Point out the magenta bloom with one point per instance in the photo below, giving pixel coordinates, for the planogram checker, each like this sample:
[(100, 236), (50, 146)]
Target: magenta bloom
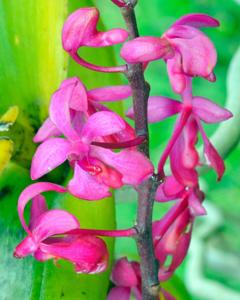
[(80, 29), (127, 278), (186, 50), (47, 234), (72, 103), (191, 112), (171, 238), (96, 170)]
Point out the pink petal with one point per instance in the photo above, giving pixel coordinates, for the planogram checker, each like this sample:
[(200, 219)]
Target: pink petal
[(184, 157), (133, 165), (159, 108), (176, 76), (125, 135), (181, 250), (171, 189), (47, 130), (123, 273), (25, 248), (180, 31), (88, 253), (80, 30), (197, 51), (120, 3), (101, 124), (86, 186), (83, 21), (108, 175), (208, 111), (197, 21), (32, 191), (54, 222), (59, 111), (175, 243), (119, 293), (110, 93), (212, 156), (78, 100), (48, 156), (195, 205), (145, 49), (38, 207)]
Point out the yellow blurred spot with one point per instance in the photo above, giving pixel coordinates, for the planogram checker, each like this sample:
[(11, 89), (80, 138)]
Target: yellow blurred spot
[(6, 145), (6, 149), (8, 118)]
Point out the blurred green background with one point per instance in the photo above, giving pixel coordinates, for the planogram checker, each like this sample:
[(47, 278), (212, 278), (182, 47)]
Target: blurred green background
[(32, 64)]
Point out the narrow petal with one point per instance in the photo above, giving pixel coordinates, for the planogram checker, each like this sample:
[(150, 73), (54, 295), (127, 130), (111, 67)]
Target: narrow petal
[(197, 21), (133, 165), (48, 156), (208, 111), (145, 49), (47, 130), (176, 76), (86, 186), (101, 124), (110, 93), (59, 111), (38, 207), (159, 108), (212, 156), (119, 293), (195, 205), (32, 191), (88, 253), (123, 273), (184, 157)]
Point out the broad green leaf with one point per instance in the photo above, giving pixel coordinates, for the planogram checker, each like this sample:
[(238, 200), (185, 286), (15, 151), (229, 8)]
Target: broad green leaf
[(32, 65)]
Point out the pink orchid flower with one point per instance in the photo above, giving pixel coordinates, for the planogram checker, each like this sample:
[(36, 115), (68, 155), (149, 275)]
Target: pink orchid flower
[(191, 112), (96, 169), (80, 29), (184, 183), (186, 50), (171, 189), (171, 238), (72, 103), (47, 234), (127, 278)]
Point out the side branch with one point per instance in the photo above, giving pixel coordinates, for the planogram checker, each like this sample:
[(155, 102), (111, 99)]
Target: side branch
[(147, 190)]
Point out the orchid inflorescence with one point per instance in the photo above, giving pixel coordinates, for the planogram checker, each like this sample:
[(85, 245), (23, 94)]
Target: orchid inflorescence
[(80, 129)]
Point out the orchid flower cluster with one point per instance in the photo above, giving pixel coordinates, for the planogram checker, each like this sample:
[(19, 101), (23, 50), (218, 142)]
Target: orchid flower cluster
[(80, 129)]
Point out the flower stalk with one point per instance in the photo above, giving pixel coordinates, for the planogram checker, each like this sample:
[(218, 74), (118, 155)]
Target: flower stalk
[(146, 190)]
